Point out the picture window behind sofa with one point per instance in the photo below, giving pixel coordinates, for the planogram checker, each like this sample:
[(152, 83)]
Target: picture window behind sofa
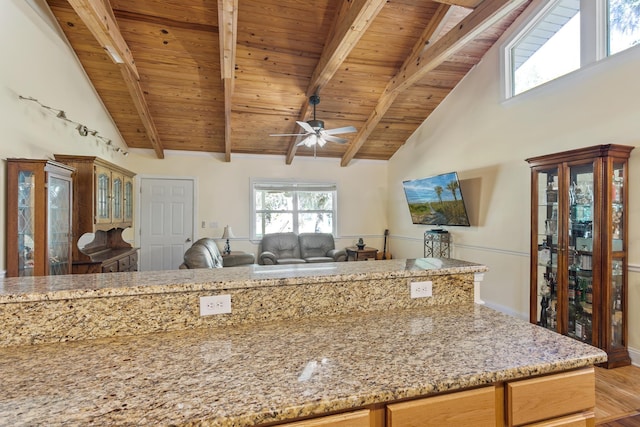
[(293, 207)]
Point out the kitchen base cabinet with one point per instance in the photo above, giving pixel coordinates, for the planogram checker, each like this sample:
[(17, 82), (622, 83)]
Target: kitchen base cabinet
[(566, 399)]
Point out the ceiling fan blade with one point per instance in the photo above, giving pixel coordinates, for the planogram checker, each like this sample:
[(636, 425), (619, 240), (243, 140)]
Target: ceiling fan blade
[(346, 129), (334, 139), (321, 141), (306, 126), (288, 134)]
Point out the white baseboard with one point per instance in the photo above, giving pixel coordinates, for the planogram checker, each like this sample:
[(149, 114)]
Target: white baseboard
[(634, 353), (506, 310)]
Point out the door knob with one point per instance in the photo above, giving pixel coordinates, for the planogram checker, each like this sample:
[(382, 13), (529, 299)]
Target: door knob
[(188, 239)]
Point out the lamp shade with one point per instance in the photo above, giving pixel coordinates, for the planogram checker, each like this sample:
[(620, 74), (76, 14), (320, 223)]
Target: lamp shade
[(228, 233)]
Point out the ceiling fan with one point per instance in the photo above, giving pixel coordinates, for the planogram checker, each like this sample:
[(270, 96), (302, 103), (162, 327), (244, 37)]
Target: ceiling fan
[(315, 132)]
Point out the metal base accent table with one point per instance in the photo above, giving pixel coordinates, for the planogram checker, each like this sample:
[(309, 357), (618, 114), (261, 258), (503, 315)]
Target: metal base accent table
[(436, 244)]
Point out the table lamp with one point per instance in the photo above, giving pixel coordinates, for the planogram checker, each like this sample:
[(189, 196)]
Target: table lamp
[(227, 234)]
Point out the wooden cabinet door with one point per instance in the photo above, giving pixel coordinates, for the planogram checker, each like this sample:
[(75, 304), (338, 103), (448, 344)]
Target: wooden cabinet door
[(103, 195), (128, 200), (586, 419), (39, 200), (117, 197), (465, 408), (529, 401)]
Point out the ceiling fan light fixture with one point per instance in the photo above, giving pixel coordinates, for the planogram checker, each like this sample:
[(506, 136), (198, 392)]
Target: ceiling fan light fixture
[(316, 124)]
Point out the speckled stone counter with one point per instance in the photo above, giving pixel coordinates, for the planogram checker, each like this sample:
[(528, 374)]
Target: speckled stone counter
[(271, 371), (78, 307)]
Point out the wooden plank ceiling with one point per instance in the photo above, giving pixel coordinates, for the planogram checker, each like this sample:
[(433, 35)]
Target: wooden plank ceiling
[(222, 76)]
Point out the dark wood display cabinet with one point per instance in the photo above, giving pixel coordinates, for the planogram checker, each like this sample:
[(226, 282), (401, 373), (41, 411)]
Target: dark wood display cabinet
[(579, 246), (39, 200), (103, 206)]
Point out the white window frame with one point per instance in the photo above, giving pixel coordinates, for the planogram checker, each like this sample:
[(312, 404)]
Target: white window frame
[(287, 184), (593, 38)]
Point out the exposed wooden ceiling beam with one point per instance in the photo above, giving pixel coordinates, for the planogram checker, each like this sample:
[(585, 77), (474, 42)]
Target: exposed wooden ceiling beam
[(352, 21), (415, 68), (472, 4), (227, 34), (97, 15)]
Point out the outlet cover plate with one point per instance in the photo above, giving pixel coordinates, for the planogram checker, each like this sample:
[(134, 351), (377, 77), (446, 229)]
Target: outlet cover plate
[(215, 304), (421, 289)]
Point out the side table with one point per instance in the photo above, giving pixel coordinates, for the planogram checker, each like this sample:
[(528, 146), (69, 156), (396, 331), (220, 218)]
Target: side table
[(355, 254)]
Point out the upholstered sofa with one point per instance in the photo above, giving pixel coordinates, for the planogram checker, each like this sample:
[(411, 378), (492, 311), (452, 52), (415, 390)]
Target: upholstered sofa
[(204, 253), (292, 248)]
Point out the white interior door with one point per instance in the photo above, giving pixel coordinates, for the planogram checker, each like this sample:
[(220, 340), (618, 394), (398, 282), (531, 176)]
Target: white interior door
[(166, 222)]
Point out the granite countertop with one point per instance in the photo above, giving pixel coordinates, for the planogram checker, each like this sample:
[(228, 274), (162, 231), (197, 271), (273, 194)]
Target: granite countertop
[(272, 371), (24, 289)]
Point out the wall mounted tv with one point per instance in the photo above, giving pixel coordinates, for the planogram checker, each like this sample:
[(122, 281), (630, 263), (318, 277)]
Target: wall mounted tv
[(436, 200)]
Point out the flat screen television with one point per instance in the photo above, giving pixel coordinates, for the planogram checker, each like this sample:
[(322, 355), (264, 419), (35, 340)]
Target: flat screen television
[(436, 200)]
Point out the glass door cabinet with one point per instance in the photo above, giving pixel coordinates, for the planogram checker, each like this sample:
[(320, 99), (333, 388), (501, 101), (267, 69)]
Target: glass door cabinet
[(579, 246), (39, 203)]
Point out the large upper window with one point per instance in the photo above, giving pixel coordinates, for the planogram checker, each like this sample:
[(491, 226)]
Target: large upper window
[(566, 35), (298, 207), (623, 21)]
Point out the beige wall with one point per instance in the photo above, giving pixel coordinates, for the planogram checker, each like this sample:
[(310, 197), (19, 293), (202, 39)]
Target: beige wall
[(223, 190), (486, 140)]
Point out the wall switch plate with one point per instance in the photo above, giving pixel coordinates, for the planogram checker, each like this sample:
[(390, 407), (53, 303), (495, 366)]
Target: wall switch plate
[(215, 304), (213, 224), (421, 289), (204, 224)]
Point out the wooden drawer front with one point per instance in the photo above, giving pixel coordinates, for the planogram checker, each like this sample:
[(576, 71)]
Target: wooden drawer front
[(110, 268), (123, 263), (465, 408), (133, 262), (350, 419), (548, 397), (587, 419)]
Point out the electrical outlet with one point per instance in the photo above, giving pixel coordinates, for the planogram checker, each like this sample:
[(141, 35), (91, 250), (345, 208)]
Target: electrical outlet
[(215, 304), (421, 289)]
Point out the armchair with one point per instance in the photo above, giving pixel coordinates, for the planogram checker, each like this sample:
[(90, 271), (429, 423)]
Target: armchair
[(204, 253), (280, 248), (320, 247)]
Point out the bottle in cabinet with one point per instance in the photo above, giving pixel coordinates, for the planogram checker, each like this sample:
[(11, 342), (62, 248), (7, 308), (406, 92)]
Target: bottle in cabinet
[(579, 238)]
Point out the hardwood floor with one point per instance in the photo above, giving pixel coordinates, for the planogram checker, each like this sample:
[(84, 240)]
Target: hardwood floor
[(618, 397)]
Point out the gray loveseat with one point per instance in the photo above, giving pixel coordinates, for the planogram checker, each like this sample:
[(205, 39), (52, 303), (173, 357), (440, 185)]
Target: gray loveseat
[(292, 248), (204, 253)]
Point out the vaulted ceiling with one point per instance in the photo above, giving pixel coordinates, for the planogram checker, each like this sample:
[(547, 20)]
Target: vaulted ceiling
[(221, 76)]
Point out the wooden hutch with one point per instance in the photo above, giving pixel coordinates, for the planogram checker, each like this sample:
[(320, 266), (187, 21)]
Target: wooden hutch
[(102, 205)]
